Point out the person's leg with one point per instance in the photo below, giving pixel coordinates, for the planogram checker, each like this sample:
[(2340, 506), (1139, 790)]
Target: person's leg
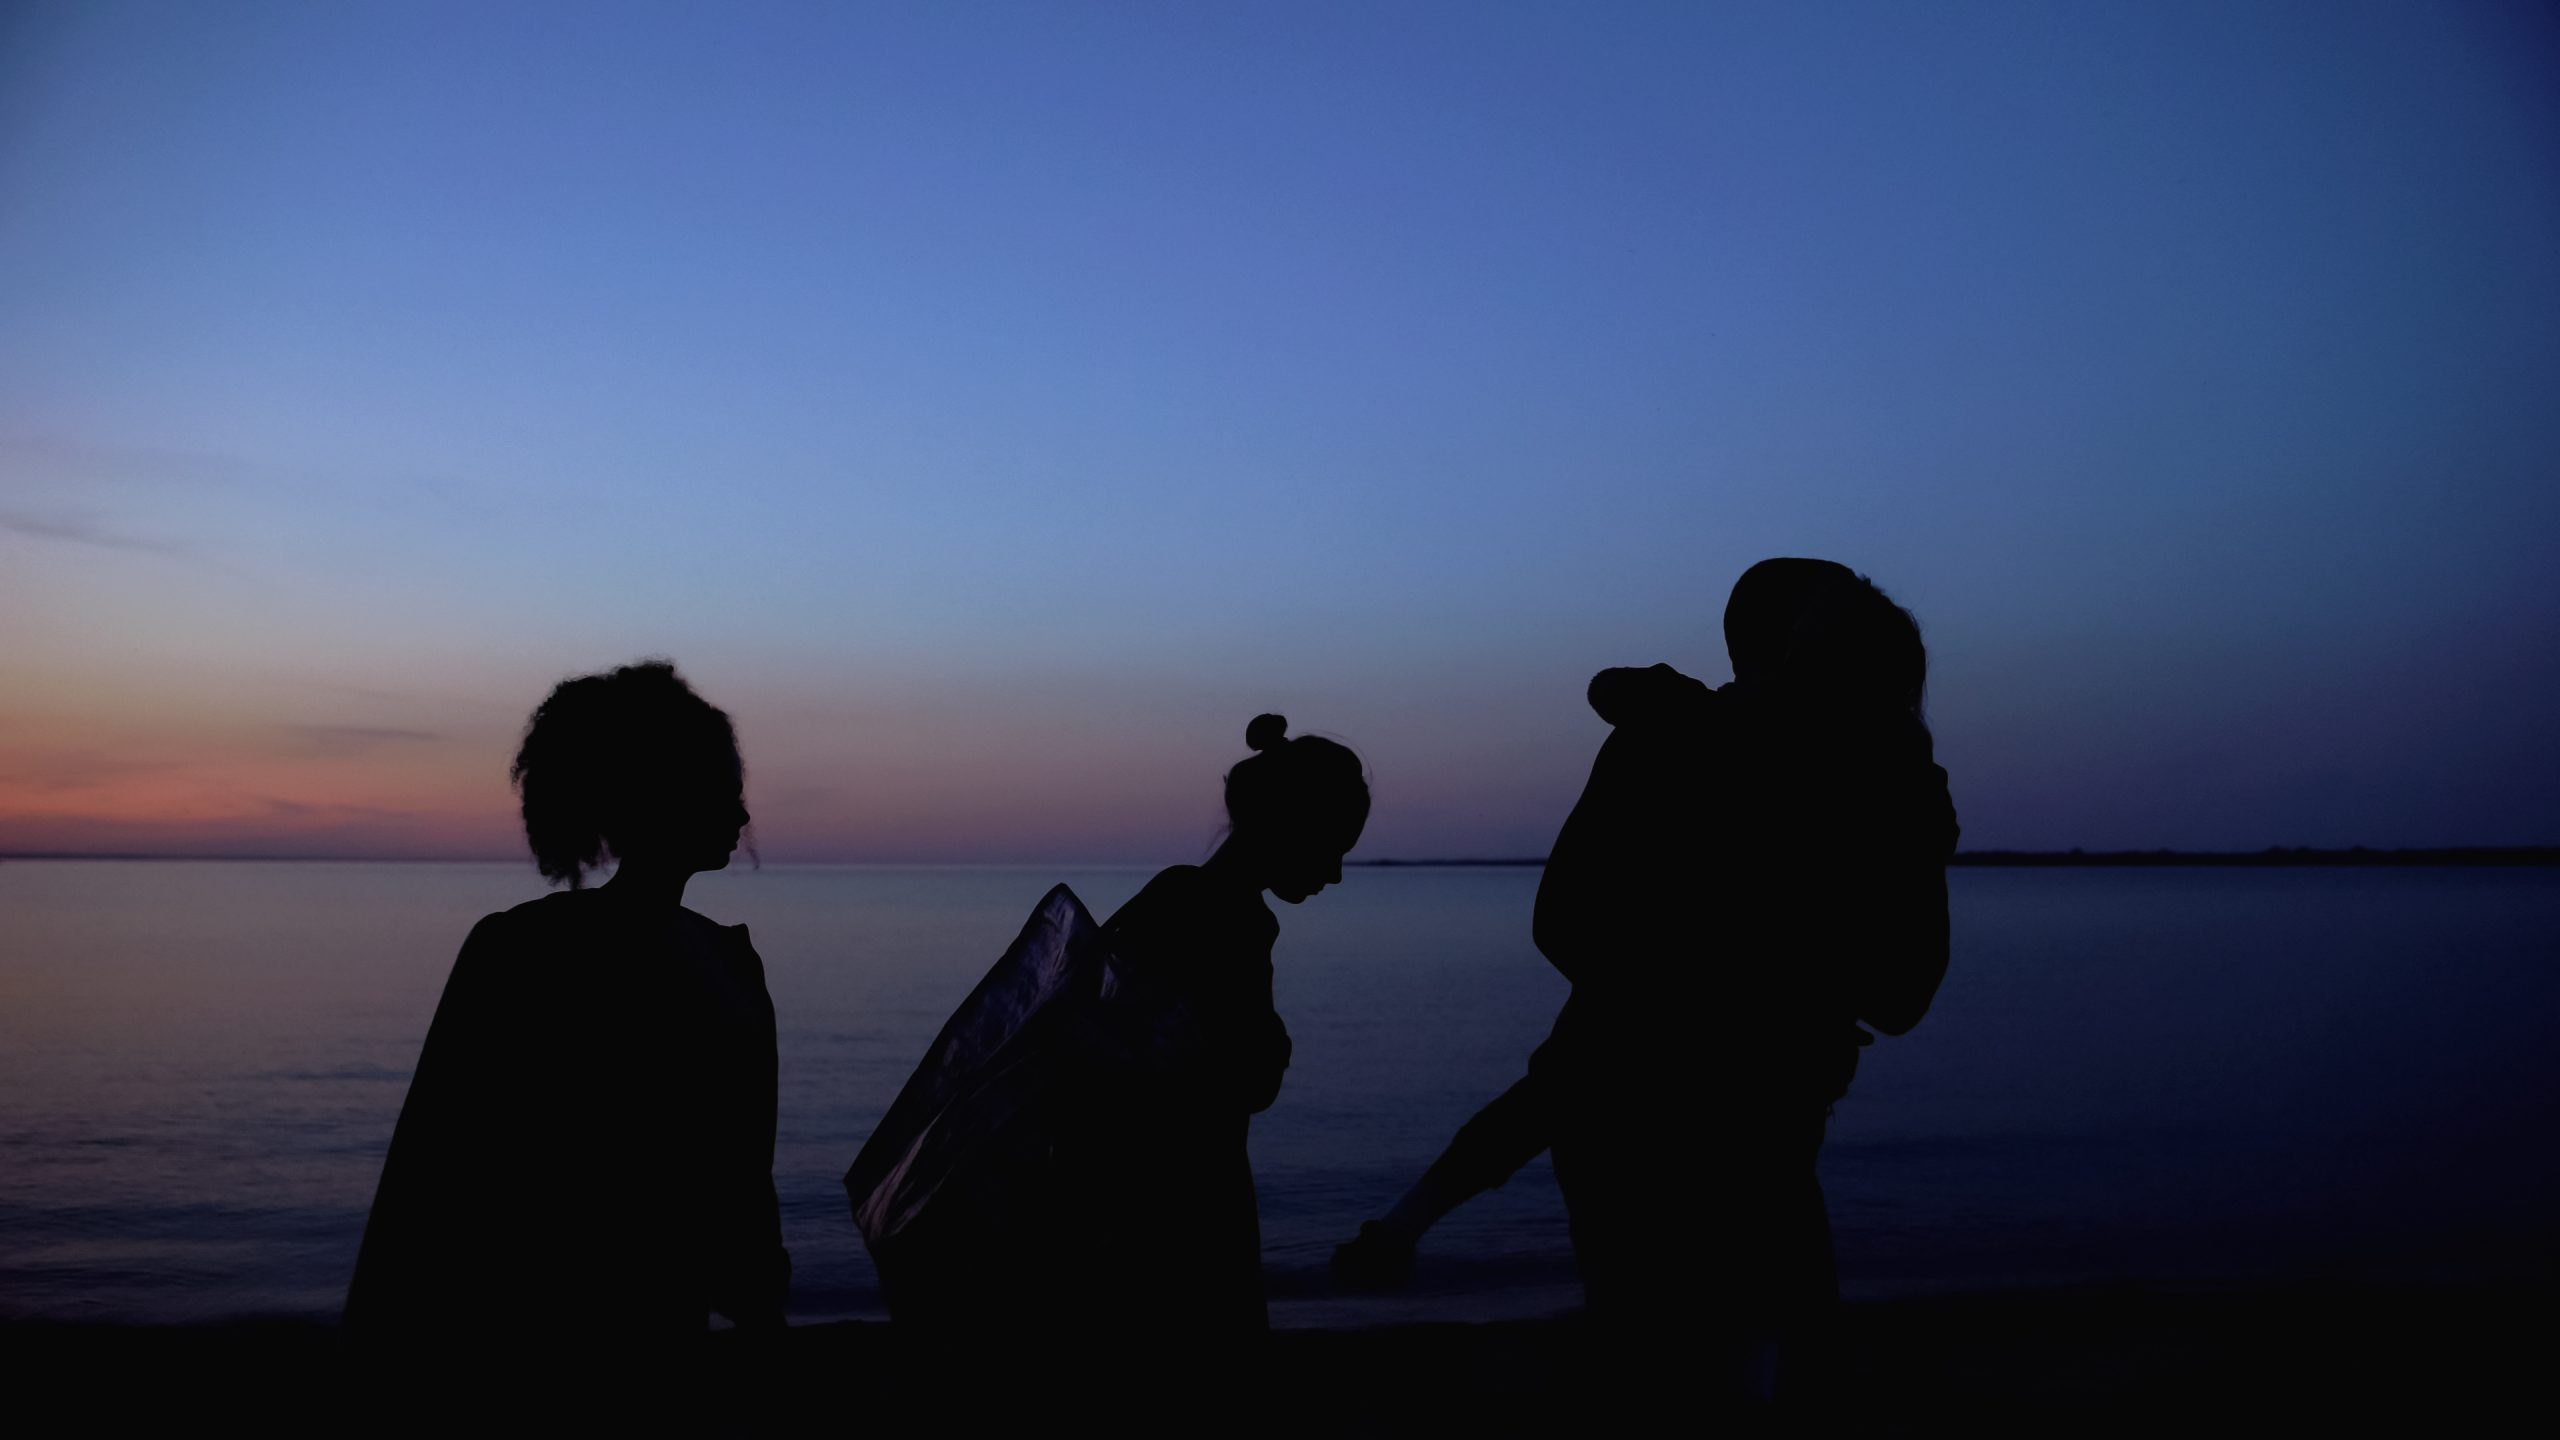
[(1658, 1309), (1809, 1370)]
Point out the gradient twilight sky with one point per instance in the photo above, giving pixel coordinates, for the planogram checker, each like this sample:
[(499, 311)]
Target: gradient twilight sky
[(994, 406)]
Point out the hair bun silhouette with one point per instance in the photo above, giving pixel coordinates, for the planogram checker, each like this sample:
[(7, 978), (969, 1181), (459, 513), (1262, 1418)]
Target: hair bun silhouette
[(1267, 732), (1288, 784)]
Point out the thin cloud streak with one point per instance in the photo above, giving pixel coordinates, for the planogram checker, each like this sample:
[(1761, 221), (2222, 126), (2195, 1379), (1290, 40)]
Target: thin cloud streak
[(333, 741), (54, 772), (76, 530)]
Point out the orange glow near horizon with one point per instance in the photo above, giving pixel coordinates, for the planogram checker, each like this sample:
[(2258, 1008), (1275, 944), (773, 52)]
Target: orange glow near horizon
[(223, 787), (188, 770)]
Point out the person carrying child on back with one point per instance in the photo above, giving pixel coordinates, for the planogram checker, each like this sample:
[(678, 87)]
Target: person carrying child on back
[(1753, 878)]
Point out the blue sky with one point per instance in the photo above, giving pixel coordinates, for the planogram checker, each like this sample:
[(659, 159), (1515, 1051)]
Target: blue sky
[(995, 406)]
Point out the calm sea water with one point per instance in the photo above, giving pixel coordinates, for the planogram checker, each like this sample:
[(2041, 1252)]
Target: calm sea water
[(2178, 1076)]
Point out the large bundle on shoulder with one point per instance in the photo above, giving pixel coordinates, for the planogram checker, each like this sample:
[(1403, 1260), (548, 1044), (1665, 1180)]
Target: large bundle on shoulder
[(954, 1191)]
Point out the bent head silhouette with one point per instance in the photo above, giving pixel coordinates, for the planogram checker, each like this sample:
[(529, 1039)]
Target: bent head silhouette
[(1294, 809)]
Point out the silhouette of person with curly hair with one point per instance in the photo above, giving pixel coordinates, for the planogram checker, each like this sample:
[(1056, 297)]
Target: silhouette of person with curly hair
[(585, 1158)]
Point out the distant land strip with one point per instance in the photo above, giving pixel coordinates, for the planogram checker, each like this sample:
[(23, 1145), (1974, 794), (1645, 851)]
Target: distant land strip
[(2272, 855)]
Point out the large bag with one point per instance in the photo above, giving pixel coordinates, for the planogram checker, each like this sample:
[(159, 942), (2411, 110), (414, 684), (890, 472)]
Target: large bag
[(951, 1189)]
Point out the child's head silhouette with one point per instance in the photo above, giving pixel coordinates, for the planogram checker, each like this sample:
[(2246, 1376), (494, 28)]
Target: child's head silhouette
[(1825, 636), (631, 766), (1856, 650), (1297, 806)]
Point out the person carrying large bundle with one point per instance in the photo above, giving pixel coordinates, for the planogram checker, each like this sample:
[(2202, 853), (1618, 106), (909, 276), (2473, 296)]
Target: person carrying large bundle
[(1069, 1158)]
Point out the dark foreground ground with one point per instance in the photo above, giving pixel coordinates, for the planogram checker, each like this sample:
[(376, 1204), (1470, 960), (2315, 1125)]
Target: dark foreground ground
[(2071, 1362)]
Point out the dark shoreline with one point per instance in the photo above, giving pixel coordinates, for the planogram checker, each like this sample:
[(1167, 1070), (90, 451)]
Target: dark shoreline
[(2095, 1358), (2274, 855)]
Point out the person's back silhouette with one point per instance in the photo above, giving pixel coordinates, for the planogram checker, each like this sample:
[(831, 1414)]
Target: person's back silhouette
[(585, 1158), (1749, 874)]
